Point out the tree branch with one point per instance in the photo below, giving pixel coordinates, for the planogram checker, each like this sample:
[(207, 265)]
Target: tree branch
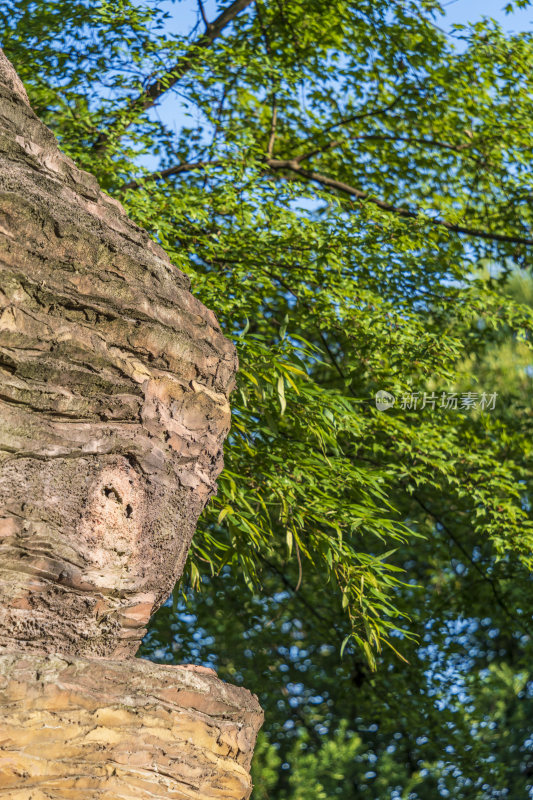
[(378, 137), (151, 94), (492, 583), (375, 112), (274, 117), (204, 18), (166, 173), (318, 150), (273, 123), (369, 137), (293, 165)]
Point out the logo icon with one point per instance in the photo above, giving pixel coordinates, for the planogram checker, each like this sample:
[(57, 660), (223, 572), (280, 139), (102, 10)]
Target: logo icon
[(384, 400)]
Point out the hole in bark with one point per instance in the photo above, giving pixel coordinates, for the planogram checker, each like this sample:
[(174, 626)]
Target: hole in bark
[(110, 491), (129, 510), (133, 462)]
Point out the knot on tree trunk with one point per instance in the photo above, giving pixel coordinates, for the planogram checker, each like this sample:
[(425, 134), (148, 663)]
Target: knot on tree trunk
[(114, 404), (114, 385)]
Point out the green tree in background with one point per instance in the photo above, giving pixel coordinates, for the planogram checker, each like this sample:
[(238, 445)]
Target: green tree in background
[(349, 188)]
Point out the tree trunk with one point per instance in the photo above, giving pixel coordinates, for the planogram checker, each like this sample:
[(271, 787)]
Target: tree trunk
[(95, 728), (113, 410)]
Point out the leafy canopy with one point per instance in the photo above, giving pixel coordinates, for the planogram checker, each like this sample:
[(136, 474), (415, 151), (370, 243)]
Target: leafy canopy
[(349, 188)]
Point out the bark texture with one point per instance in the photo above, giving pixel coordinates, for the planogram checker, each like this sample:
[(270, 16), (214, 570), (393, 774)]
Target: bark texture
[(89, 728), (114, 384), (113, 404)]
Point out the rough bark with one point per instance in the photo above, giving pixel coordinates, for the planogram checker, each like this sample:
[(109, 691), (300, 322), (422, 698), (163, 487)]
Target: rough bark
[(113, 403), (114, 385), (89, 728)]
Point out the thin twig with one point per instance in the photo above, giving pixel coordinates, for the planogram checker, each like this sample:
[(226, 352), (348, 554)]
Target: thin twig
[(202, 12), (497, 596), (273, 123), (166, 173), (300, 571)]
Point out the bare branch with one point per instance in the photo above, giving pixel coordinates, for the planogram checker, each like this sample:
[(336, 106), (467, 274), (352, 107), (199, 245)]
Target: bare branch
[(456, 148), (202, 12), (155, 90), (484, 575)]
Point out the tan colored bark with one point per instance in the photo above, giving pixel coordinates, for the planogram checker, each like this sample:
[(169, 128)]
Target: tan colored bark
[(114, 385), (92, 728), (113, 404)]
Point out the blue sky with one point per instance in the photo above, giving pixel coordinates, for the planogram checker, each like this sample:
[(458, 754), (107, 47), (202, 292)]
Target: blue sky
[(465, 11), (184, 15)]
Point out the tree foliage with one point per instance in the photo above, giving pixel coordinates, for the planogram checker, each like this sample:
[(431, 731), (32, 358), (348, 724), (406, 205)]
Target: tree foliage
[(349, 189)]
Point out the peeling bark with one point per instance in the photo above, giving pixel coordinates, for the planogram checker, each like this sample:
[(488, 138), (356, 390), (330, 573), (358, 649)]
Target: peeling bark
[(89, 728), (113, 404), (114, 386)]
